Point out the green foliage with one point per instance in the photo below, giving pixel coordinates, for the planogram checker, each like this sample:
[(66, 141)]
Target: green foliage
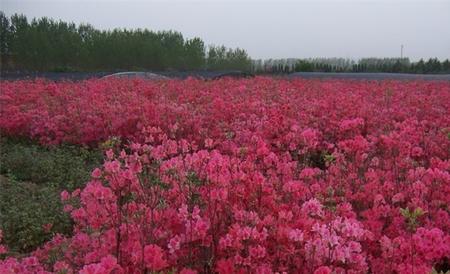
[(193, 179), (32, 179), (411, 217), (315, 159), (373, 65), (221, 58), (48, 45), (113, 143), (329, 158), (304, 65), (66, 167), (24, 210)]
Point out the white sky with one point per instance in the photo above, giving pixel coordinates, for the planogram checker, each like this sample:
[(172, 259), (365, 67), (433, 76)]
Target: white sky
[(273, 29)]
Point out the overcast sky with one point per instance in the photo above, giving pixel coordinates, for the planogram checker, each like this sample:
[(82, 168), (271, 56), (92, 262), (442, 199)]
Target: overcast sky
[(273, 29)]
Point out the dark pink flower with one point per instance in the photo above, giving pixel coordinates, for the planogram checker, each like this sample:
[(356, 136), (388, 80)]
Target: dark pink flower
[(154, 258)]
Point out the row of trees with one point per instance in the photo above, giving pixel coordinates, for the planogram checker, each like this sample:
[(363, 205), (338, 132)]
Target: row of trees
[(47, 45), (393, 65)]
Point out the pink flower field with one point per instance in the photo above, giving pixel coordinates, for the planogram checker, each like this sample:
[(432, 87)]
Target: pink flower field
[(259, 175)]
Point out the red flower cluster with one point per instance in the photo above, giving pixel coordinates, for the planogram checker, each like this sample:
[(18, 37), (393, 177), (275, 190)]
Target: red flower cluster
[(246, 176), (3, 248)]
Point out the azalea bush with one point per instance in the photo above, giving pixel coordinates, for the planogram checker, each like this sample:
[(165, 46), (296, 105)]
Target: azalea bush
[(245, 176)]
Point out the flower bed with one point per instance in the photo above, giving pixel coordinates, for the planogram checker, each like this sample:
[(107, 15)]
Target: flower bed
[(246, 176)]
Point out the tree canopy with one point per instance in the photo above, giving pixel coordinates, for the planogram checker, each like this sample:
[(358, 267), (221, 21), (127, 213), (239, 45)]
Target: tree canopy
[(44, 44)]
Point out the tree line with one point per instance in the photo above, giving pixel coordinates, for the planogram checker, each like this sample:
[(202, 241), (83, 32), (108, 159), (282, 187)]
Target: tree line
[(44, 44), (391, 65)]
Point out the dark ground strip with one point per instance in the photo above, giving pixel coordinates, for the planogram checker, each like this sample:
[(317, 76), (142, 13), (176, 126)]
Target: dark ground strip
[(208, 75)]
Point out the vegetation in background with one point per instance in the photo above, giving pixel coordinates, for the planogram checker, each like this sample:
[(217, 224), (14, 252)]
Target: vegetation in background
[(391, 65), (47, 45), (44, 44)]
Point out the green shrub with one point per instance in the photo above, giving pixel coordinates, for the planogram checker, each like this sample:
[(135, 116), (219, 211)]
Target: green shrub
[(32, 179), (24, 210), (66, 167)]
